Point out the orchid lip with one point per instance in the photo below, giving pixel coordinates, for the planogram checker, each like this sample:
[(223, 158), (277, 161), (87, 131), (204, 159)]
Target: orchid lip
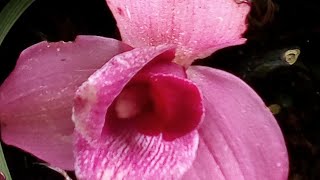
[(142, 105)]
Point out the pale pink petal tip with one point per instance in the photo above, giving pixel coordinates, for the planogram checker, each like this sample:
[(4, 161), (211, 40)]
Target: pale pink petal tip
[(36, 99), (239, 137), (136, 118), (196, 27)]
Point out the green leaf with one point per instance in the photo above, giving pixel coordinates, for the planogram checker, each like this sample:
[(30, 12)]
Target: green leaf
[(10, 14), (3, 165)]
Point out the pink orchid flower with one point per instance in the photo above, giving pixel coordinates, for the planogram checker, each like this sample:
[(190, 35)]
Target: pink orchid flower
[(144, 112)]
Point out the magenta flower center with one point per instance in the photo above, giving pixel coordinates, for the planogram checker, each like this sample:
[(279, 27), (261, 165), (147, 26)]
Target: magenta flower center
[(156, 101)]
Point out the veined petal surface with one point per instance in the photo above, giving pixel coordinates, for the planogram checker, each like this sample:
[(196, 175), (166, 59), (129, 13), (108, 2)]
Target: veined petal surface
[(196, 27), (36, 99), (239, 137)]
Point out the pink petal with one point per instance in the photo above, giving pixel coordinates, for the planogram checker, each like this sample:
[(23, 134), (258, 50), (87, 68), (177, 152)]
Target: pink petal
[(197, 27), (36, 99), (108, 146), (239, 137), (131, 155)]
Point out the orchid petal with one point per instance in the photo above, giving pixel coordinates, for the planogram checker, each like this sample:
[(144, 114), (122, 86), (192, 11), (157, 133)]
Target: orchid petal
[(239, 137), (36, 99), (131, 155), (196, 27), (107, 145)]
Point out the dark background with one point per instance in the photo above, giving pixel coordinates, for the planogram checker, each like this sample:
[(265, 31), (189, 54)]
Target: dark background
[(274, 27)]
